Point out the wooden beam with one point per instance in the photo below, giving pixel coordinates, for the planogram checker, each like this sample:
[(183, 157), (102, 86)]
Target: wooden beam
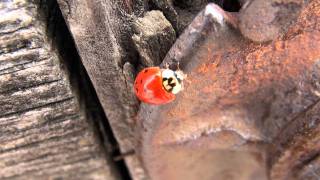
[(102, 34), (44, 130)]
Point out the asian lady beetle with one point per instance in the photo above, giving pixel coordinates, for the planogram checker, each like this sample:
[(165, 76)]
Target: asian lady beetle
[(158, 86)]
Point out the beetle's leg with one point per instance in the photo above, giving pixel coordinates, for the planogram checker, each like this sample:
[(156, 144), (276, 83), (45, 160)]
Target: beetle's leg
[(178, 65), (166, 65)]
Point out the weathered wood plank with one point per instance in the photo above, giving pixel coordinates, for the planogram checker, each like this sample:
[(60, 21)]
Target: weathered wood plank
[(153, 37), (45, 132), (102, 34)]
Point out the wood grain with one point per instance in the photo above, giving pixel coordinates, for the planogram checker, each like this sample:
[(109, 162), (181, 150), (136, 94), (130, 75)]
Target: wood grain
[(45, 132), (102, 33), (153, 37)]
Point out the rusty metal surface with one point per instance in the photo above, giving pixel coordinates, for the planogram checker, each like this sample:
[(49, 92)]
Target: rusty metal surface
[(240, 99), (263, 21), (298, 149)]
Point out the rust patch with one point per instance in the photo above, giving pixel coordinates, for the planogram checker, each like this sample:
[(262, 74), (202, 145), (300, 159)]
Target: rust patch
[(238, 92)]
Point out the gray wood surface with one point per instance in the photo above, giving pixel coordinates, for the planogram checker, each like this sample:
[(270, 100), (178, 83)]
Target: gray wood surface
[(102, 33), (45, 132), (153, 37)]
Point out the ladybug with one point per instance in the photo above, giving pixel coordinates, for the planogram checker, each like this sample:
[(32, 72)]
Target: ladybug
[(154, 85)]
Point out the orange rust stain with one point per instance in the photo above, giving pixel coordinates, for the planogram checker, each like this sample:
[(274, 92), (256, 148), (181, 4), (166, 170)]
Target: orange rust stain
[(263, 66), (273, 63), (203, 68), (308, 20), (279, 45), (208, 89), (211, 61), (268, 64), (255, 67)]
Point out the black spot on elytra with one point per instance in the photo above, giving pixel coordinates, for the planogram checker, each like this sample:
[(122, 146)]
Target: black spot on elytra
[(145, 71)]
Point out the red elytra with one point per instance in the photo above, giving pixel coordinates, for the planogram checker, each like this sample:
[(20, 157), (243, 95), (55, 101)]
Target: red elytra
[(149, 89)]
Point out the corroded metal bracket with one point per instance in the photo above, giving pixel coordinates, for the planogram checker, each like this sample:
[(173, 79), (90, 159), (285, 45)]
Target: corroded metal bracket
[(239, 99)]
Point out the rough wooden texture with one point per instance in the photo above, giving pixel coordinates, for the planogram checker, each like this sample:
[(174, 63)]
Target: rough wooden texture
[(102, 34), (179, 16), (153, 37), (44, 131), (181, 12)]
